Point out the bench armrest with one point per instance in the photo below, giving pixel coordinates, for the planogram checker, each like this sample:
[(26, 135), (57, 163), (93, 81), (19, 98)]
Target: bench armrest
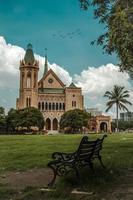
[(63, 156)]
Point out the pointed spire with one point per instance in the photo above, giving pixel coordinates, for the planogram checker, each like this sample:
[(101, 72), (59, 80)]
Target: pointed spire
[(46, 63), (29, 55)]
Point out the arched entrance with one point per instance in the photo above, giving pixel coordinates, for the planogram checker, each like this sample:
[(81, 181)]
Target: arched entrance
[(55, 124), (103, 127), (48, 124)]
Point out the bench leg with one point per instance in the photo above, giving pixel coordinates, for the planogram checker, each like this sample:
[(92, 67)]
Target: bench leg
[(77, 172), (91, 166), (54, 177), (100, 159)]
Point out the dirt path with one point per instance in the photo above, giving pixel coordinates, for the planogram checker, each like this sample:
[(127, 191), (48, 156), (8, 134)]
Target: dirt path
[(20, 180), (40, 178)]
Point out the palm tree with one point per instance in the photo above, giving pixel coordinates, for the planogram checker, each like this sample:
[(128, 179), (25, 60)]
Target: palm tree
[(119, 97)]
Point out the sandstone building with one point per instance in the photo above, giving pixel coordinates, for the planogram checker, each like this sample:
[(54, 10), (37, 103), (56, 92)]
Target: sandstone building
[(49, 95), (100, 124)]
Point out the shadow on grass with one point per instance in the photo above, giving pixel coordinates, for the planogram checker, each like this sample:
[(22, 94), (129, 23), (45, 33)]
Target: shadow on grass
[(6, 192), (97, 186)]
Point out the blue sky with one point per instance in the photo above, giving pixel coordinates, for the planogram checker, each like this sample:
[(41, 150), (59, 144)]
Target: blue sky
[(66, 31), (59, 25)]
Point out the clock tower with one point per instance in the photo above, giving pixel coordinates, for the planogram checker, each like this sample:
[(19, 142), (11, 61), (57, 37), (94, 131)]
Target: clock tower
[(28, 92)]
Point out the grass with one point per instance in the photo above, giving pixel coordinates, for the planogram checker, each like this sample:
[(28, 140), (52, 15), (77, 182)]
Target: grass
[(22, 152), (27, 151)]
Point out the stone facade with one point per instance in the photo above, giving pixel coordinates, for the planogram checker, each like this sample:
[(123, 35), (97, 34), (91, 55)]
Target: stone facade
[(49, 95), (100, 124)]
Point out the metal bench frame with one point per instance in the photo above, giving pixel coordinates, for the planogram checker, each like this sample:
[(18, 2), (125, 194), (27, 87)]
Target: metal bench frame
[(87, 151)]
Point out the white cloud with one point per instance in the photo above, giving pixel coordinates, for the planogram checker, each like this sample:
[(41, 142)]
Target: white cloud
[(98, 80), (10, 57), (94, 81)]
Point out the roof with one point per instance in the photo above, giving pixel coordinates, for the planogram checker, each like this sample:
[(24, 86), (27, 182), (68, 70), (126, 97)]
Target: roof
[(54, 75), (72, 85), (29, 55), (51, 90)]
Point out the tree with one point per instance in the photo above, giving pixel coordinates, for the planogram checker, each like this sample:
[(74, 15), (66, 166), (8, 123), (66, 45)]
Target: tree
[(24, 118), (13, 120), (2, 118), (117, 16), (31, 117), (117, 96), (74, 120)]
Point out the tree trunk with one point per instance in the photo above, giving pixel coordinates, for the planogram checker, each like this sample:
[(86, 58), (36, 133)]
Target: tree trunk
[(117, 120)]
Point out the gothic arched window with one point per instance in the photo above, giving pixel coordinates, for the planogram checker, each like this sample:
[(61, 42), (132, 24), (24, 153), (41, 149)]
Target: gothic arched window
[(28, 79), (39, 106), (34, 79), (73, 103), (63, 106), (56, 106), (53, 106), (49, 106), (22, 80), (42, 105), (46, 106), (60, 106), (28, 102)]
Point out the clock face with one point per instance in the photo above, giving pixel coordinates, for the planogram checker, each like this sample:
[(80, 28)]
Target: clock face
[(50, 80)]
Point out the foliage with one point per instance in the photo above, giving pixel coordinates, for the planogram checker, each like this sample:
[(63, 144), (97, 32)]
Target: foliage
[(74, 120), (2, 118), (117, 16), (12, 120), (117, 96), (123, 125), (31, 117), (26, 117)]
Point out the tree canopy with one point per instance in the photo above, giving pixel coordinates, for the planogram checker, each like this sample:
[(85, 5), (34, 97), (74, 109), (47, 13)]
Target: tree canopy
[(27, 117), (117, 16), (74, 120), (2, 118)]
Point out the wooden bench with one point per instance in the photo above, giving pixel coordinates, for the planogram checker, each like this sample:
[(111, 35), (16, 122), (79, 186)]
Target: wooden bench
[(87, 151)]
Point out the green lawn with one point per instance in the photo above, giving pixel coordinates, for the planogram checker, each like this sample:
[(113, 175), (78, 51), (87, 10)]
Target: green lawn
[(22, 152)]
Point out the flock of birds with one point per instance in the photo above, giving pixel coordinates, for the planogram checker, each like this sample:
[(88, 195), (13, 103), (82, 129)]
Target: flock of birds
[(68, 35)]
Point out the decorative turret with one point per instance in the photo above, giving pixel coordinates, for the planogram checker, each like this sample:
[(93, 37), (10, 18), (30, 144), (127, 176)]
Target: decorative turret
[(29, 55)]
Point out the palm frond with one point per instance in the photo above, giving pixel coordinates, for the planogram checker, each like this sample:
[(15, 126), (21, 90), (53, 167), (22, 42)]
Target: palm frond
[(117, 96)]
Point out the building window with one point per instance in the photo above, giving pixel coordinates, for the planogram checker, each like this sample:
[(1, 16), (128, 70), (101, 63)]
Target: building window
[(49, 106), (22, 80), (28, 102), (63, 106), (29, 79), (73, 103), (56, 106), (60, 106), (53, 106), (42, 105), (39, 106), (46, 106), (34, 79)]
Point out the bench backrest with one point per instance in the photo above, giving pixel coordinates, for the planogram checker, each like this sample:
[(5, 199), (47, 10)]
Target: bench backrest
[(98, 146), (88, 148)]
